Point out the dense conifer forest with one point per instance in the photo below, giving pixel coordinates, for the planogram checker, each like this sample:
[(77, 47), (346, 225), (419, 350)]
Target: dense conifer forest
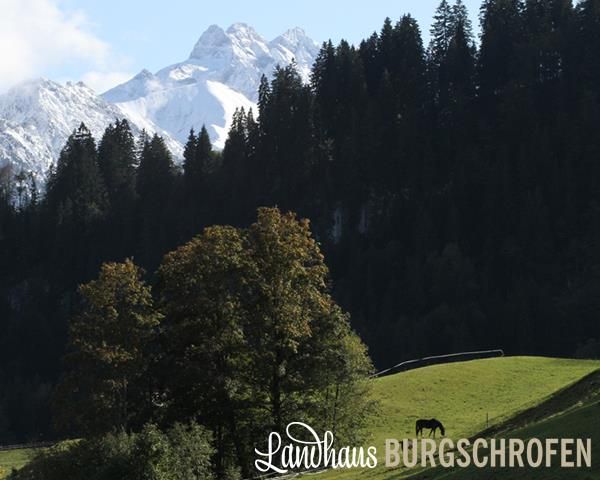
[(454, 189)]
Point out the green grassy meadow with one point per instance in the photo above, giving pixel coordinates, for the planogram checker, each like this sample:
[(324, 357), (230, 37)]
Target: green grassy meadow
[(10, 459), (462, 396), (521, 396)]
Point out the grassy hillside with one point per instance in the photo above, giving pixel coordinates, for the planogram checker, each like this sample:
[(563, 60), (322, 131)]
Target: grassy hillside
[(574, 412), (13, 459), (462, 395), (581, 422)]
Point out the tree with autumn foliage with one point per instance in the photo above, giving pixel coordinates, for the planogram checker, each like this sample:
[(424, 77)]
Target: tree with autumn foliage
[(255, 341), (104, 387)]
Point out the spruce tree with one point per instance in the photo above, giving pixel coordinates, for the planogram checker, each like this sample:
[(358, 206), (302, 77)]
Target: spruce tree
[(117, 161), (441, 32), (198, 156), (189, 156), (75, 189), (155, 187), (460, 16), (76, 204), (501, 34)]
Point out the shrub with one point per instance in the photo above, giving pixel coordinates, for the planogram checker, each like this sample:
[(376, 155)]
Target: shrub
[(181, 453)]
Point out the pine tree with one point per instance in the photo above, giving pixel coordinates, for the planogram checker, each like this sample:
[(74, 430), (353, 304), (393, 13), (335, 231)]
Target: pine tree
[(324, 81), (75, 205), (460, 16), (457, 90), (287, 136), (75, 189), (196, 160), (155, 187), (502, 32), (441, 32), (117, 162), (369, 53), (198, 156), (189, 157), (452, 36), (385, 46), (235, 170), (408, 72)]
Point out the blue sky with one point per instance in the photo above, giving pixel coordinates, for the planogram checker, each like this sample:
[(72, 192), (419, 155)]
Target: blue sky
[(104, 41)]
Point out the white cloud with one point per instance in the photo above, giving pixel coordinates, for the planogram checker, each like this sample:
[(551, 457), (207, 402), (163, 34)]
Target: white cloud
[(36, 35), (103, 81)]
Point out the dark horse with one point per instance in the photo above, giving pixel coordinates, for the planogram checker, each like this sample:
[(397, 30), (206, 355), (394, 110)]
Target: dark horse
[(431, 424)]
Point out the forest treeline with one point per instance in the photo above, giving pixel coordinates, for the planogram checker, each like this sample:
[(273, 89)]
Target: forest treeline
[(454, 189)]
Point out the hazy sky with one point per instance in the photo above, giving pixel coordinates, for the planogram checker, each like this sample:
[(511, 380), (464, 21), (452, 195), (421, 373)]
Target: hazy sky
[(104, 42)]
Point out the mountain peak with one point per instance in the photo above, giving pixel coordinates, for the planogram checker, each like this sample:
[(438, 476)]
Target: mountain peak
[(240, 27), (213, 38), (295, 38), (295, 34)]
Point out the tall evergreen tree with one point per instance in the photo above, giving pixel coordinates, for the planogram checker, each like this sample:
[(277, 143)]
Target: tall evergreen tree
[(155, 187), (197, 159), (287, 136), (501, 35), (117, 161), (441, 32), (460, 16), (385, 45), (75, 189), (76, 203)]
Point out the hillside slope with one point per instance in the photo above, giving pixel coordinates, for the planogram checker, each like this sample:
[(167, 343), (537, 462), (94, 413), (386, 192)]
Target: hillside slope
[(573, 412), (462, 396)]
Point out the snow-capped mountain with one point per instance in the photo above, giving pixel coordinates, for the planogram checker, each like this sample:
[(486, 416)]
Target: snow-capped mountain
[(221, 74), (37, 116)]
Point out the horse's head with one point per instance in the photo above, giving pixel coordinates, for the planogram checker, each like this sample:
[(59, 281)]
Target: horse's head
[(442, 429)]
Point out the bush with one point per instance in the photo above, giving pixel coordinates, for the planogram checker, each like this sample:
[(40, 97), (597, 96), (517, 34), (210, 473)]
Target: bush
[(181, 453)]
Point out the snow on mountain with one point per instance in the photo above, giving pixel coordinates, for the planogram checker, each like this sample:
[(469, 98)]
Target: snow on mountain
[(295, 45), (221, 74), (37, 116)]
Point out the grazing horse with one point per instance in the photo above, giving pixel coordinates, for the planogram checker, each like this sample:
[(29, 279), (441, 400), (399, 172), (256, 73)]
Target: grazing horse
[(431, 424)]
